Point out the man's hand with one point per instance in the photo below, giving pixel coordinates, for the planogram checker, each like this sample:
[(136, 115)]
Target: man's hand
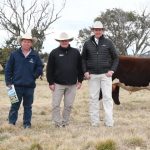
[(87, 75), (52, 87), (79, 85), (109, 73), (9, 86), (41, 77)]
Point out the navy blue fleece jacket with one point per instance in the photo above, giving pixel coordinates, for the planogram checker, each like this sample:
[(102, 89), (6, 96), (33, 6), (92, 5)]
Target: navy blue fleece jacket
[(22, 71)]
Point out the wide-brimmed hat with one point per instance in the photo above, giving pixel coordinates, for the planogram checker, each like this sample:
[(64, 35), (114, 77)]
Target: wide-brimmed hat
[(27, 37), (64, 36), (97, 25)]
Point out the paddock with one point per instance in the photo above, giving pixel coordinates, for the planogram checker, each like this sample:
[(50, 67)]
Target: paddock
[(130, 131)]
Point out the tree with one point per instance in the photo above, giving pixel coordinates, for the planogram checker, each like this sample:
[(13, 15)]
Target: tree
[(4, 54), (18, 16), (129, 31), (142, 32), (83, 35), (44, 57)]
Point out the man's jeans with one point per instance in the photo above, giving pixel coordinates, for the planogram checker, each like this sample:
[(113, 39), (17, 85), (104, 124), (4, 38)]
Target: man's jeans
[(25, 94), (105, 83)]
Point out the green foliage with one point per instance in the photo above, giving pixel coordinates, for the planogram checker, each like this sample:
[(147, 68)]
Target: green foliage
[(36, 146), (106, 145), (84, 33), (12, 43), (4, 54), (40, 36)]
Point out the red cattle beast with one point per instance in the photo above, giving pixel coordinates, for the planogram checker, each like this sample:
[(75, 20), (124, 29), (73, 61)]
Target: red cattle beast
[(131, 71)]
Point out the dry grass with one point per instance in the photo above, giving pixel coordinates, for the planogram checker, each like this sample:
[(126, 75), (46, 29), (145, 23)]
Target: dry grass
[(131, 130)]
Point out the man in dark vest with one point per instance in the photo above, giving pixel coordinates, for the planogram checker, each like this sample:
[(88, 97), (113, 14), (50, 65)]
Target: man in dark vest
[(99, 61)]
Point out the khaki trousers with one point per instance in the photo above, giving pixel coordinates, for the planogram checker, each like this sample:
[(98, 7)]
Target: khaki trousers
[(68, 92), (105, 83)]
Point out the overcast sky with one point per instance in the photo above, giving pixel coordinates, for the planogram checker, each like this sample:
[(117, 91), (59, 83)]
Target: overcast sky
[(79, 14)]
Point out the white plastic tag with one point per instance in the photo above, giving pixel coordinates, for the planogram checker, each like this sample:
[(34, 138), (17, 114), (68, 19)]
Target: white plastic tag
[(12, 94)]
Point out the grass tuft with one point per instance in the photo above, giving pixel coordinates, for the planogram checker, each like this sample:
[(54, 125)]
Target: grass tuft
[(7, 128), (106, 145), (3, 137), (36, 146), (135, 141), (42, 113)]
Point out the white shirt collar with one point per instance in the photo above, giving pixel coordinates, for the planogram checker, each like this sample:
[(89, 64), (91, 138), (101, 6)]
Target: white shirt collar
[(96, 40), (26, 53)]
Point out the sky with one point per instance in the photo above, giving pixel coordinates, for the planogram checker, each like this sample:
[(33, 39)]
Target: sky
[(79, 14)]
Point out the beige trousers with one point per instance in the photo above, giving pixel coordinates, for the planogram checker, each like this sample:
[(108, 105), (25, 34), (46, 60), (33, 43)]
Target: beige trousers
[(105, 83), (68, 92)]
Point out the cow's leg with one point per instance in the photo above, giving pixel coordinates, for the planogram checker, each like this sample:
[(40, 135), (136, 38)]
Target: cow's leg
[(115, 95)]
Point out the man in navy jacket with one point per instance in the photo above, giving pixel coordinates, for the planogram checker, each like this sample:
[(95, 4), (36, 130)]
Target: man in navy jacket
[(22, 69)]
